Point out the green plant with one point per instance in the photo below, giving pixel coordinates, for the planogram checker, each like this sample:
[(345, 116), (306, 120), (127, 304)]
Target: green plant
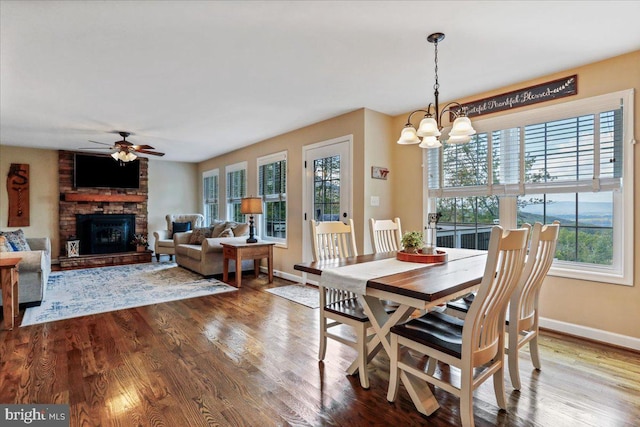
[(412, 241), (140, 240)]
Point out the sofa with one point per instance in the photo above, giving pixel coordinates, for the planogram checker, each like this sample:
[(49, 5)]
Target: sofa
[(200, 250), (163, 244), (34, 269)]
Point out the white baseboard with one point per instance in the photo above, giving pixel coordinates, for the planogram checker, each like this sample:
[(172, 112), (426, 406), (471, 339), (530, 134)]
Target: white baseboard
[(591, 333), (291, 277)]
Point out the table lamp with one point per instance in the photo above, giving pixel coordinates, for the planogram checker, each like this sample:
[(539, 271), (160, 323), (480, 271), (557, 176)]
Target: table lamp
[(250, 206)]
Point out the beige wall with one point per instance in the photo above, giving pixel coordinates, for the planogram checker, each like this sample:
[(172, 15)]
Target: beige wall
[(43, 191), (347, 124), (612, 308), (173, 188), (378, 130)]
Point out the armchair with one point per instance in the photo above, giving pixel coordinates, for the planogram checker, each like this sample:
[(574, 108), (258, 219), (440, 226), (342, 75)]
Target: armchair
[(164, 238), (34, 270)]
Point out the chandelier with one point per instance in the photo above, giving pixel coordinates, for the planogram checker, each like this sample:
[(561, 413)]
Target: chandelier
[(430, 132)]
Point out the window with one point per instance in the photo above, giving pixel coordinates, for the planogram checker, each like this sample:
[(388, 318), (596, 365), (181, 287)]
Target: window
[(566, 162), (272, 186), (236, 190), (211, 195)]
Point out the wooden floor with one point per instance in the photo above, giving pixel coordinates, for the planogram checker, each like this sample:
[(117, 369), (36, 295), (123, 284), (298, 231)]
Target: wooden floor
[(249, 358)]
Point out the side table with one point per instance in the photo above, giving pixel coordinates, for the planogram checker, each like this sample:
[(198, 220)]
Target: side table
[(9, 283), (240, 251)]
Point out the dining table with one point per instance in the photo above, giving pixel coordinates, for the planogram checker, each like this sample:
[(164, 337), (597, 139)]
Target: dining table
[(378, 279)]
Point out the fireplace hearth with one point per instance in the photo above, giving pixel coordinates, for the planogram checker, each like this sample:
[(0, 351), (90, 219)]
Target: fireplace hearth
[(105, 233)]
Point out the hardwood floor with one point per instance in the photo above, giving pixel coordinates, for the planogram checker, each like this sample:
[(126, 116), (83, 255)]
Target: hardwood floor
[(249, 358)]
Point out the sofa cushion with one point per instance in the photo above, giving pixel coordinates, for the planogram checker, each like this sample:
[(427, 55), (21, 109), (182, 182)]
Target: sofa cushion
[(226, 233), (164, 243), (181, 227), (16, 239), (241, 230), (218, 227), (199, 234), (194, 252)]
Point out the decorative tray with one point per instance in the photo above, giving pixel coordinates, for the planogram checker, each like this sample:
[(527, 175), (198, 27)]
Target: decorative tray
[(439, 256)]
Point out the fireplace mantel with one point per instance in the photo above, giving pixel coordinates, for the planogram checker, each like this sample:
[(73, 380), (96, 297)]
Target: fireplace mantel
[(84, 197)]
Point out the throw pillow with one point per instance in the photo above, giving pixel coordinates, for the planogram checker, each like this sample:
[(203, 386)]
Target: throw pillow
[(4, 245), (199, 234), (218, 228), (241, 230), (181, 227), (226, 233), (16, 240)]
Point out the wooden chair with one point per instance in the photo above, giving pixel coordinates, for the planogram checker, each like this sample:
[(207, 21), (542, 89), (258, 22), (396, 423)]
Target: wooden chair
[(386, 235), (522, 325), (331, 240), (475, 342), (522, 316)]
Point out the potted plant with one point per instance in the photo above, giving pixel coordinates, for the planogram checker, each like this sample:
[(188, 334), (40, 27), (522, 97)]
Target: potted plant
[(140, 241), (412, 241)]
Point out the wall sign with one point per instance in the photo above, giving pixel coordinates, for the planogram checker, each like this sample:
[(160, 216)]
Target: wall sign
[(378, 172), (555, 89), (18, 191)]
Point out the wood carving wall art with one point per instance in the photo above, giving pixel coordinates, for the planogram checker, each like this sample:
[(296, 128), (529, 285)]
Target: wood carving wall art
[(18, 192)]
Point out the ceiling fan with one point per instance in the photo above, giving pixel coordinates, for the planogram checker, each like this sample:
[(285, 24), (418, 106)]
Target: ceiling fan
[(124, 150)]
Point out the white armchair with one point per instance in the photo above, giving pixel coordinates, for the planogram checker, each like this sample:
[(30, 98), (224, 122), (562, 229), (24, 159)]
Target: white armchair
[(164, 238)]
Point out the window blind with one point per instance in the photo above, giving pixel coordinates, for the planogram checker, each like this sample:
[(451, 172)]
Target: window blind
[(578, 153)]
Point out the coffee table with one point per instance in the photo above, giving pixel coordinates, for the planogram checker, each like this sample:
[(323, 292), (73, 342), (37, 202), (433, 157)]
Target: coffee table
[(240, 251)]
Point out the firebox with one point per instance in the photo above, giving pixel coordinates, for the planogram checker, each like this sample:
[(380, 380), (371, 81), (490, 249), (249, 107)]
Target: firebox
[(105, 233)]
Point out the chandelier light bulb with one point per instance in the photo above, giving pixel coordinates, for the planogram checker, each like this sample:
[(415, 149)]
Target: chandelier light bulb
[(430, 142), (458, 139), (428, 127), (408, 136), (462, 127)]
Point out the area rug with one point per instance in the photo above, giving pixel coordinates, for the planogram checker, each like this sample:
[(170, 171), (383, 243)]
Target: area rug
[(76, 293), (305, 295)]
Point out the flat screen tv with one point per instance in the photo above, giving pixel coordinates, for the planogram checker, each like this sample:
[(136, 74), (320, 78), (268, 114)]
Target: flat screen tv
[(91, 171)]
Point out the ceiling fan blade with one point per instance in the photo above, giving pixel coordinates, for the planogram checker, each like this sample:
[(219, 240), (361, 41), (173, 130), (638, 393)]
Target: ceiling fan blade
[(95, 148), (142, 147), (98, 142), (154, 153)]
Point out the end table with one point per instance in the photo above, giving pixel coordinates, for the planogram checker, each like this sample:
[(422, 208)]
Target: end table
[(240, 251), (9, 283)]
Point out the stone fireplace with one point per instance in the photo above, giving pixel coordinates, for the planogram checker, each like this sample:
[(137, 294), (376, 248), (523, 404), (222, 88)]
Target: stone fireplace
[(117, 214)]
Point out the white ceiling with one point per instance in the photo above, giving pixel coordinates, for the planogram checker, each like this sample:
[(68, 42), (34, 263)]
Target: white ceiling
[(198, 79)]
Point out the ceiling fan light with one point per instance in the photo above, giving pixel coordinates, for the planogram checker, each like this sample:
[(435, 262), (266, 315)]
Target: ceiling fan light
[(130, 157), (430, 142), (408, 136), (115, 155), (428, 127), (462, 126)]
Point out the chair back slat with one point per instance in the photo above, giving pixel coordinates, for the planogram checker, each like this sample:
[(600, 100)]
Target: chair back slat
[(524, 301), (483, 331), (332, 240), (386, 235)]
